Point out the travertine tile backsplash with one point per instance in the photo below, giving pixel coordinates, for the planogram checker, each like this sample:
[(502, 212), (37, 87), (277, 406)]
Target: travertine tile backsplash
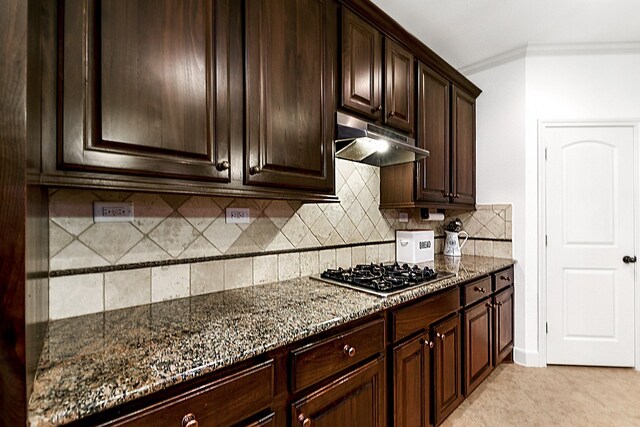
[(175, 227)]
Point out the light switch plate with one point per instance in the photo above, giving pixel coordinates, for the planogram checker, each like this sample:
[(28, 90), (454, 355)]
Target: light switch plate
[(403, 217), (238, 215), (112, 211)]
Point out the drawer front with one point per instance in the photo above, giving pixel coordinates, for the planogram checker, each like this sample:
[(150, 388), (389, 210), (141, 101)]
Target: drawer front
[(224, 402), (320, 360), (418, 316), (477, 290), (502, 279)]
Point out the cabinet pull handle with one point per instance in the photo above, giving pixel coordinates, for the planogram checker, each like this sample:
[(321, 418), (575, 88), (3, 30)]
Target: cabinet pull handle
[(479, 289), (348, 350), (450, 195), (254, 170), (427, 343), (441, 336), (489, 305), (392, 113), (376, 109), (304, 421), (456, 196), (189, 420), (505, 278), (223, 165)]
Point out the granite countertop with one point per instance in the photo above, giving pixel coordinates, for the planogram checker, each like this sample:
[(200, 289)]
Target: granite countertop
[(91, 363)]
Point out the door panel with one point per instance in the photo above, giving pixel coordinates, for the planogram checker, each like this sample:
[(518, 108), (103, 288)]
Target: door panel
[(464, 147), (144, 87), (478, 324), (290, 49), (503, 336), (399, 96), (447, 368), (361, 66), (412, 383), (590, 228), (433, 134)]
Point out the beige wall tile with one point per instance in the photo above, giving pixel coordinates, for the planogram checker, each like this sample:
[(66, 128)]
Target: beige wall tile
[(207, 277), (483, 248), (309, 263), (468, 248), (358, 255), (76, 255), (288, 266), (343, 257), (238, 273), (502, 249), (327, 259), (387, 252), (127, 288), (111, 240), (265, 269), (372, 254), (72, 296), (169, 282)]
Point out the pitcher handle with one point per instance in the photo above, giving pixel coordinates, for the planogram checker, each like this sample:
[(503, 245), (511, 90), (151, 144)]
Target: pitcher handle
[(465, 239)]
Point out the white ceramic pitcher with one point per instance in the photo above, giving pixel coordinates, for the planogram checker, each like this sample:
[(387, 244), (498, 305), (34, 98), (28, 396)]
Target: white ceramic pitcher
[(452, 244)]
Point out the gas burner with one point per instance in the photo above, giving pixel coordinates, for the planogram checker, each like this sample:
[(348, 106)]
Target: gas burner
[(382, 279)]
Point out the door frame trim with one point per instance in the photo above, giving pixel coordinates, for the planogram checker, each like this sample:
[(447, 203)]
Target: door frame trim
[(543, 125)]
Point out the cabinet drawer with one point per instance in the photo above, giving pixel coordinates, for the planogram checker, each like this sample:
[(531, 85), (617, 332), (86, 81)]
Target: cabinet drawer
[(477, 290), (502, 279), (408, 320), (320, 360), (224, 402)]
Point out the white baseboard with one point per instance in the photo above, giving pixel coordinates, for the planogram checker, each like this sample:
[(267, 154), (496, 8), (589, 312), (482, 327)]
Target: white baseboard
[(527, 358)]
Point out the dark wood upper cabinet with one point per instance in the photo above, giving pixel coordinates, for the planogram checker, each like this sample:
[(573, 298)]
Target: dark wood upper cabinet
[(463, 147), (503, 345), (447, 367), (144, 87), (432, 174), (399, 86), (412, 383), (478, 348), (361, 66), (355, 399), (291, 54)]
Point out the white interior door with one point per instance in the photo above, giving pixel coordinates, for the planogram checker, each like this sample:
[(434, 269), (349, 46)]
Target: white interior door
[(590, 228)]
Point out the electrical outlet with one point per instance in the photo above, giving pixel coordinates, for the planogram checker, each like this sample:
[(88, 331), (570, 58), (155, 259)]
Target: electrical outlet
[(112, 211), (238, 215), (403, 217)]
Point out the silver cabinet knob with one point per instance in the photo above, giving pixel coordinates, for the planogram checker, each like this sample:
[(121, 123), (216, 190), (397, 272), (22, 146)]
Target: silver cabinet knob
[(348, 350), (223, 165), (254, 170)]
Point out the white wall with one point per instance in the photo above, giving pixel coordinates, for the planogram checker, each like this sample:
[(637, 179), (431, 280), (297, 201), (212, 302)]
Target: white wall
[(604, 86), (500, 156)]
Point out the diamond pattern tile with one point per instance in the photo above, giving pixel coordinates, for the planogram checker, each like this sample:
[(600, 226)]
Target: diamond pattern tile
[(322, 229), (72, 210), (200, 211), (174, 234), (149, 211), (222, 235), (295, 229), (111, 240), (279, 212)]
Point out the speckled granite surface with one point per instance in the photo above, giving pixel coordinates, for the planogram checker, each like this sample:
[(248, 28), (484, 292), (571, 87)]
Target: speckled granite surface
[(95, 362)]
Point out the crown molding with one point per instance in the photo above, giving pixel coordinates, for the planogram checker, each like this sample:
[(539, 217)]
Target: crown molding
[(552, 49)]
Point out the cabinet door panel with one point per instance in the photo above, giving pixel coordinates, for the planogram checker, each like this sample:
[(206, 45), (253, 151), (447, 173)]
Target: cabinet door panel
[(356, 399), (433, 177), (144, 87), (464, 148), (478, 331), (399, 96), (290, 48), (412, 383), (503, 325), (361, 66), (447, 368)]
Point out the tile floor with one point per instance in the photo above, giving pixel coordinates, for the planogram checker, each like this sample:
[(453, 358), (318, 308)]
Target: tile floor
[(553, 396)]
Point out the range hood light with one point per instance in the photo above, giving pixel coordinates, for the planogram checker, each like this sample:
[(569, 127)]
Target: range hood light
[(368, 143)]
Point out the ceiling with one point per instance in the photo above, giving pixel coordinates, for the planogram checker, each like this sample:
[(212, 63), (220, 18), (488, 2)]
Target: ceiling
[(464, 32)]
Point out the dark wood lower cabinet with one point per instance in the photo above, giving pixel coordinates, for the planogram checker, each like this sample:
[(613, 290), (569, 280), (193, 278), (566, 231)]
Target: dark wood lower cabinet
[(355, 399), (447, 367), (478, 348), (412, 383), (503, 346)]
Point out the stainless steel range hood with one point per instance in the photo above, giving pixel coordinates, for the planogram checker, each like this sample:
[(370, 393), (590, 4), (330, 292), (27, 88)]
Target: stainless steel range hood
[(364, 142)]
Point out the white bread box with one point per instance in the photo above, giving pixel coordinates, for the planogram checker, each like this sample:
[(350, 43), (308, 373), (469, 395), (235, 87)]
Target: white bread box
[(414, 246)]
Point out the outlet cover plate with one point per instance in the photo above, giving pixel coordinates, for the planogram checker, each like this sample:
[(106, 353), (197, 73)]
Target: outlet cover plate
[(238, 215), (112, 211), (403, 217)]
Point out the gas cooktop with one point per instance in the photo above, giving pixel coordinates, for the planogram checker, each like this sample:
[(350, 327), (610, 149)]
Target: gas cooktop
[(382, 279)]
